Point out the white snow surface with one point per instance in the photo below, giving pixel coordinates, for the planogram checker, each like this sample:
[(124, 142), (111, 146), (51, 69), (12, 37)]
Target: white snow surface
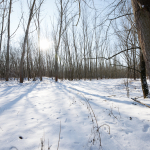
[(79, 115)]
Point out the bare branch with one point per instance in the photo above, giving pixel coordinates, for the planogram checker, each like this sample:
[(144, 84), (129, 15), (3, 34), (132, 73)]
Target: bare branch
[(18, 26), (121, 16), (79, 13), (115, 54), (2, 1)]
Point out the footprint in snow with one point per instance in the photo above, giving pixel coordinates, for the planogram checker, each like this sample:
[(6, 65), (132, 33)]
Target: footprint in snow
[(145, 128), (13, 148)]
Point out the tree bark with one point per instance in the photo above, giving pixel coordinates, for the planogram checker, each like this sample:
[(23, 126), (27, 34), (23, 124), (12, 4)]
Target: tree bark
[(143, 77), (142, 19)]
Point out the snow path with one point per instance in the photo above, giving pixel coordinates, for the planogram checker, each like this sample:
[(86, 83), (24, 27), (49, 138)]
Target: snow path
[(34, 110)]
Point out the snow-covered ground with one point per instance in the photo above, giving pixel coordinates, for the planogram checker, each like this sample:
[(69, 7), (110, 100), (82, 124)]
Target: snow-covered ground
[(79, 115)]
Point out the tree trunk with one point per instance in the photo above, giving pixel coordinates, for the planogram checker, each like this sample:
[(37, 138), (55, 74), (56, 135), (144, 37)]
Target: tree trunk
[(27, 59), (39, 46), (142, 19), (2, 28), (143, 77), (56, 65), (40, 70), (8, 42), (25, 41), (58, 43)]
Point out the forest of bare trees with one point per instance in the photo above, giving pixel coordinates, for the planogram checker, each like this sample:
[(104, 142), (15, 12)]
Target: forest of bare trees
[(86, 43)]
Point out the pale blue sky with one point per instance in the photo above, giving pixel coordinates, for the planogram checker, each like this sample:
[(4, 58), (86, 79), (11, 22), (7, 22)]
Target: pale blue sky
[(49, 10)]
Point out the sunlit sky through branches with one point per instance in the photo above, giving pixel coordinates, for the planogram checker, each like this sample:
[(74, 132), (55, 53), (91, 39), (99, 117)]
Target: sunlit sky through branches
[(48, 15), (49, 18)]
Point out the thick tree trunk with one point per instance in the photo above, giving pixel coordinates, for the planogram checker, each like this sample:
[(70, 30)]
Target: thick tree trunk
[(142, 19), (143, 77)]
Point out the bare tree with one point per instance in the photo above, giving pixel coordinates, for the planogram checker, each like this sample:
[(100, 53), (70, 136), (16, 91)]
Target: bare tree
[(4, 14), (25, 39), (59, 38), (8, 41), (39, 37), (61, 28)]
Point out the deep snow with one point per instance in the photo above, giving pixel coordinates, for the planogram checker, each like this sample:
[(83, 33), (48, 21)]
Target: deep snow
[(85, 109)]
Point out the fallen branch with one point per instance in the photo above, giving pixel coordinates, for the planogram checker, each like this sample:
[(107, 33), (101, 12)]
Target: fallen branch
[(140, 102)]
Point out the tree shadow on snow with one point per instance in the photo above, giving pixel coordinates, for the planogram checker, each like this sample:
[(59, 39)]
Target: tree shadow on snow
[(13, 102), (74, 91)]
